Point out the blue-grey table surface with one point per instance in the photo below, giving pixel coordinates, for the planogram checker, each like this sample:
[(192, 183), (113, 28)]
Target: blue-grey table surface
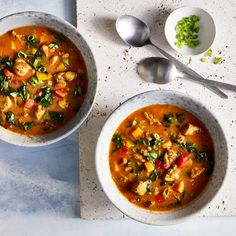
[(39, 187)]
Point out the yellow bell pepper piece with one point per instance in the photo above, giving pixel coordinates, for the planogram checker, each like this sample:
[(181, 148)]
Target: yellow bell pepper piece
[(61, 67), (43, 76)]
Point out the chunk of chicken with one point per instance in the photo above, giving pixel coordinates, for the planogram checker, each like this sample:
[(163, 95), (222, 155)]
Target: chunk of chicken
[(139, 157), (142, 188), (60, 81), (39, 112), (190, 129), (169, 157), (180, 138), (167, 144), (46, 50), (63, 103), (70, 75), (62, 77), (5, 103), (172, 174), (196, 171), (151, 119), (55, 60), (21, 67)]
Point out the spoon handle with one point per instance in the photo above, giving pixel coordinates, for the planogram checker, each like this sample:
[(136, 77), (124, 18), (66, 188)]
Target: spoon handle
[(190, 72), (209, 82)]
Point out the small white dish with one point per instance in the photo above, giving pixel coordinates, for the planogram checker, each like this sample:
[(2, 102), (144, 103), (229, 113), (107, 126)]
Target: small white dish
[(206, 34), (103, 166)]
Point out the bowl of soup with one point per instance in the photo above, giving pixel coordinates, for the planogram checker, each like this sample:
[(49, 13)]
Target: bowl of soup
[(161, 157), (48, 79)]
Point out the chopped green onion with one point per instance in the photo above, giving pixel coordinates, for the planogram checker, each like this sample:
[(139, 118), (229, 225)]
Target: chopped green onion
[(53, 46), (35, 63), (42, 69), (38, 53), (66, 62), (217, 60), (22, 54), (32, 41), (187, 30), (34, 81), (209, 52), (27, 126), (203, 59)]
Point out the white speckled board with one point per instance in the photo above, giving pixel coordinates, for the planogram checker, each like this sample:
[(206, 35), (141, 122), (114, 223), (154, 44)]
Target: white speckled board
[(118, 81)]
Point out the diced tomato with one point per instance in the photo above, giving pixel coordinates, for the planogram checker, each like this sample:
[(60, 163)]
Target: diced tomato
[(8, 73), (39, 93), (165, 166), (61, 93), (182, 159), (160, 198), (158, 163), (124, 151), (29, 103)]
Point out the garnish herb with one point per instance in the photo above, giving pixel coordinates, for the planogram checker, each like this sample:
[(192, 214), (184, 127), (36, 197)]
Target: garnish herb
[(167, 119), (10, 117), (78, 91), (154, 175), (180, 117), (53, 46), (34, 81), (117, 140), (27, 126), (56, 116), (32, 42), (22, 54), (22, 92), (4, 85), (46, 98), (191, 147), (42, 69), (59, 38), (7, 62), (38, 53)]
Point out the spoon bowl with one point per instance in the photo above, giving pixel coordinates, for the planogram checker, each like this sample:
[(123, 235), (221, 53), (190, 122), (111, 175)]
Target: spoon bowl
[(132, 30), (156, 70)]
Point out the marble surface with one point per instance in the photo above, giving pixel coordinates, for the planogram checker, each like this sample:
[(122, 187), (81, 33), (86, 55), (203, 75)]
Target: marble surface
[(118, 81)]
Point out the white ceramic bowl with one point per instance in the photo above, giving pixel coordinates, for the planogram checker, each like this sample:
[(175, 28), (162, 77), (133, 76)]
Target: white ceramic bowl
[(103, 167), (206, 34), (39, 18)]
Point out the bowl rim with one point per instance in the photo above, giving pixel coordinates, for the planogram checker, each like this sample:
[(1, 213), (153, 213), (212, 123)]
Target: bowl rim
[(92, 101), (176, 49), (167, 222)]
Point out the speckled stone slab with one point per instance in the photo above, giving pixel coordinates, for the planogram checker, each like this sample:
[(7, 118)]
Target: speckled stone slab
[(118, 81)]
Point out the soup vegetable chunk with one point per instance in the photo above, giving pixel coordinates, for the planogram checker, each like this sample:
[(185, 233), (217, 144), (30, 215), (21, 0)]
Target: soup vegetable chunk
[(43, 80), (161, 157)]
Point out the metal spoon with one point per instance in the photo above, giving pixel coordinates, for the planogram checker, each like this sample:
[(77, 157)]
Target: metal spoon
[(162, 71), (136, 33)]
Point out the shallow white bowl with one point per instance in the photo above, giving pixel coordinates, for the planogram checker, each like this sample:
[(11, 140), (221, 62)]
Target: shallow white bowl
[(103, 167), (40, 18), (206, 34)]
